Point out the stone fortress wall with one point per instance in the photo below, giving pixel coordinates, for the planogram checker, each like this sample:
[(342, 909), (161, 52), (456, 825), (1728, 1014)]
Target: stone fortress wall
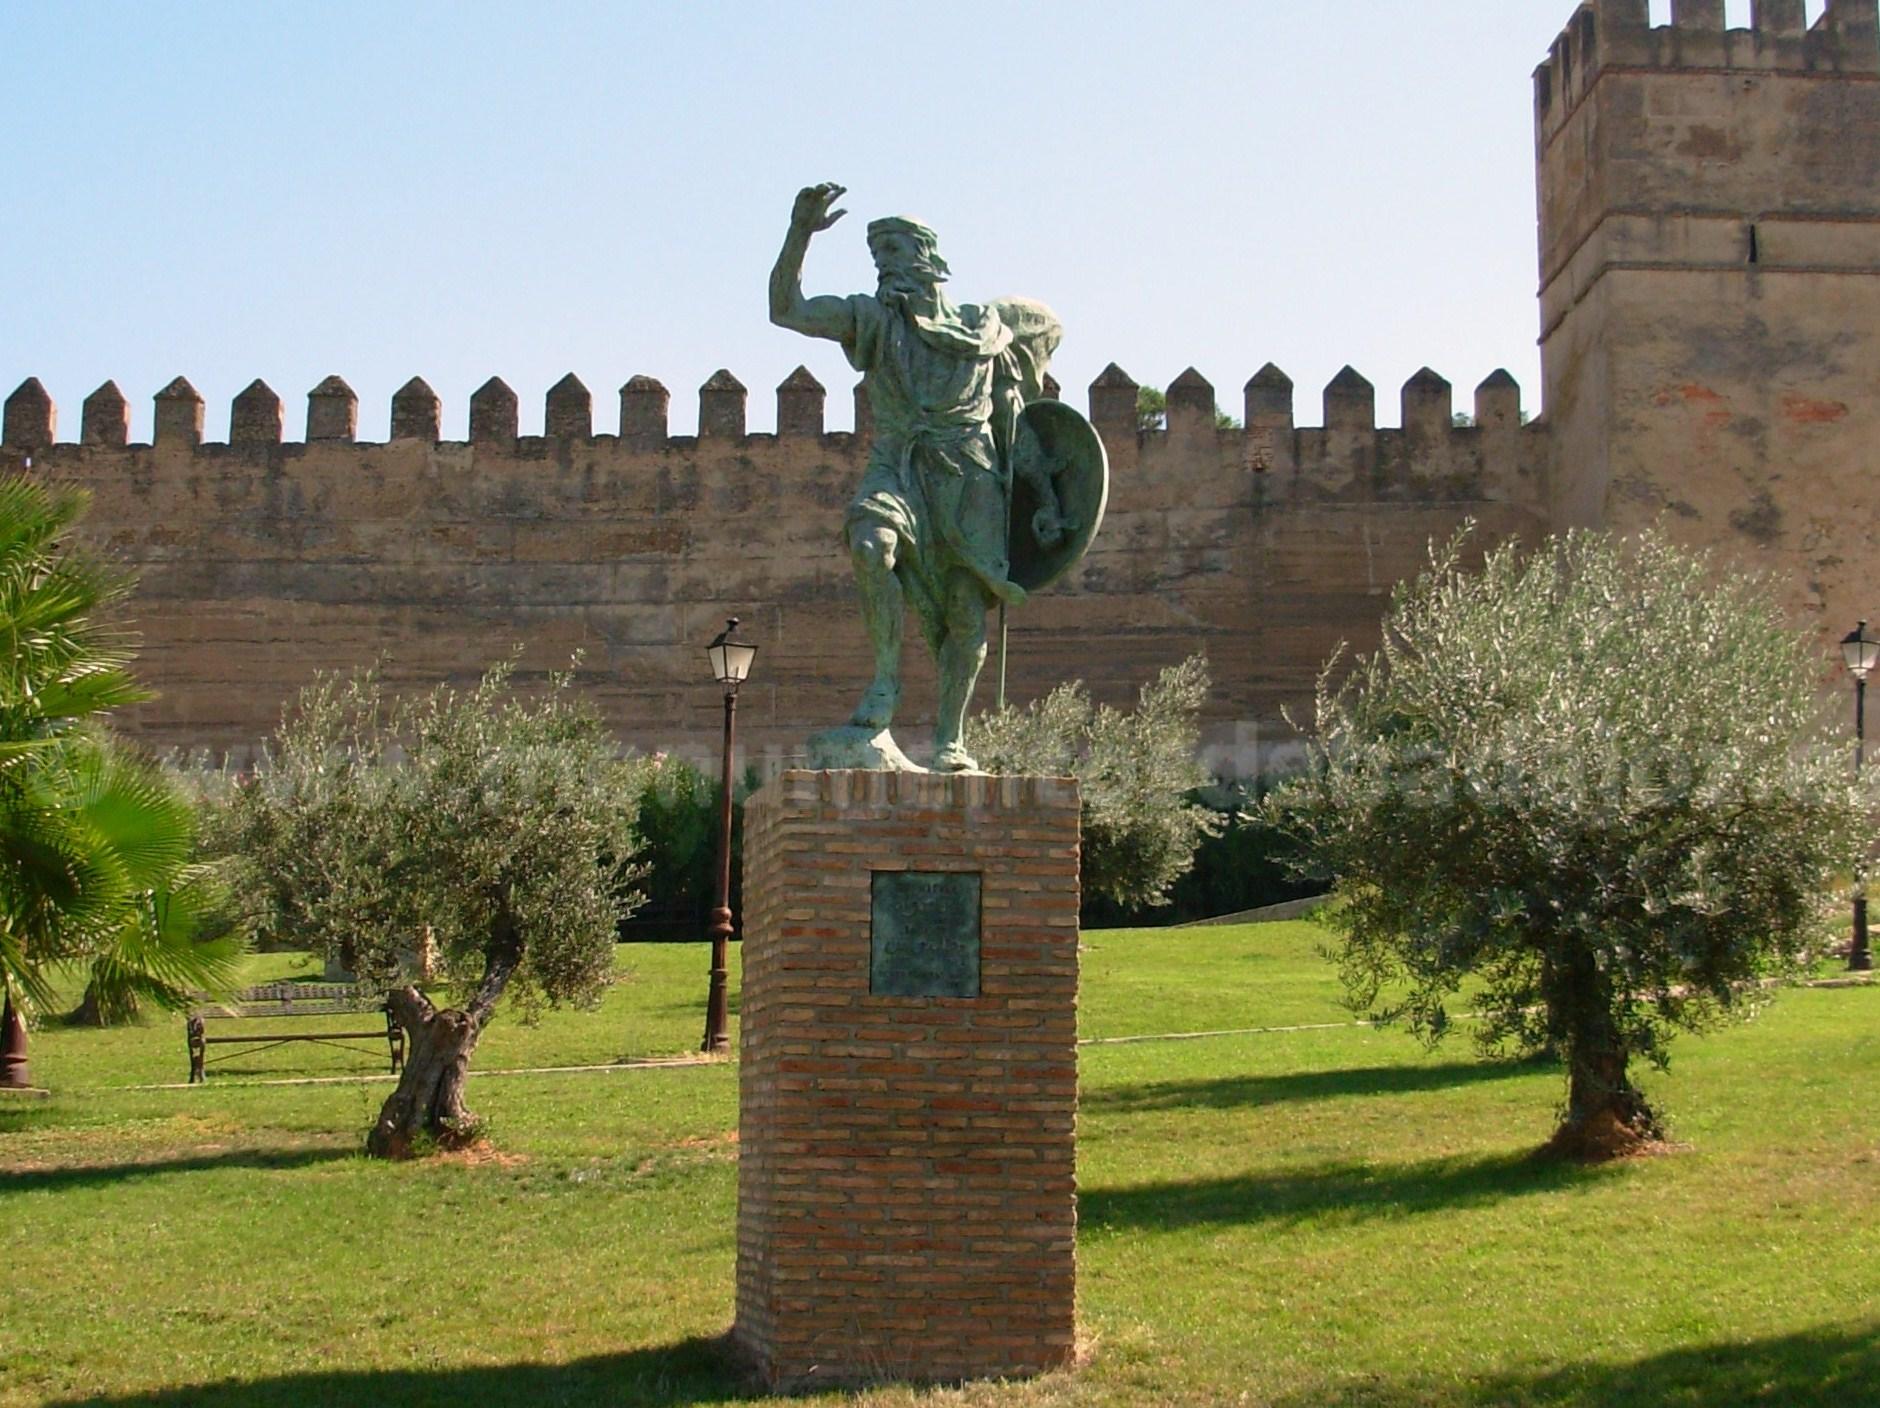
[(1709, 205), (263, 560)]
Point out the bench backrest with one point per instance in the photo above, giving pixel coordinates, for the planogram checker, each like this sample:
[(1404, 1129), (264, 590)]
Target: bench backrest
[(294, 1000)]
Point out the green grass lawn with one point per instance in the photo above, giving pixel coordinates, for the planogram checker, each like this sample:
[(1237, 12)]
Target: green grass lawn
[(1306, 1218)]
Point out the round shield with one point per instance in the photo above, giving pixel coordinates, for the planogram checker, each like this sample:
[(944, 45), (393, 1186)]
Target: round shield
[(1042, 547)]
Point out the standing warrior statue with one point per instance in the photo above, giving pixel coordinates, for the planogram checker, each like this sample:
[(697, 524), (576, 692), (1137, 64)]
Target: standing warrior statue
[(930, 525)]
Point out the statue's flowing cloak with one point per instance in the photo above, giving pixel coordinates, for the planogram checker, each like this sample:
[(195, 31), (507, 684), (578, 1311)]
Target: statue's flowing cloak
[(945, 392)]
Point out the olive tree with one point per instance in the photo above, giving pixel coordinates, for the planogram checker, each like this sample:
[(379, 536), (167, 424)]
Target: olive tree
[(502, 824), (1595, 781), (1137, 773)]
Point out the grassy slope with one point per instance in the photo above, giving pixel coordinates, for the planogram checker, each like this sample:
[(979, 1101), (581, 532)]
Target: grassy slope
[(1309, 1218)]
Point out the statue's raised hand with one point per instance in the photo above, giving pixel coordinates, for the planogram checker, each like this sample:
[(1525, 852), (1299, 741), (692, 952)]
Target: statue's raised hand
[(812, 213)]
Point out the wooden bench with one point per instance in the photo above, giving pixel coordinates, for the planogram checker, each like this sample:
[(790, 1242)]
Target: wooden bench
[(277, 1002)]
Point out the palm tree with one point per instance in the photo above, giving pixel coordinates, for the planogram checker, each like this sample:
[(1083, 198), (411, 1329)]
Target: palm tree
[(95, 845)]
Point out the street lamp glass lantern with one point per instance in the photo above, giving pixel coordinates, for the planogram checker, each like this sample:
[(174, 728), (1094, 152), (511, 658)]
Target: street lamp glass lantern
[(730, 657), (1861, 651)]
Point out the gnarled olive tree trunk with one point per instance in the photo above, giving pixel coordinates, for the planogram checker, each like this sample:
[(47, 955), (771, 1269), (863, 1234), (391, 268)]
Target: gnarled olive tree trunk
[(1607, 1116), (428, 1103)]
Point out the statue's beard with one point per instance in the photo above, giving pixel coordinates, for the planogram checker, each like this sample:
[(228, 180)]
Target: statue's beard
[(899, 287)]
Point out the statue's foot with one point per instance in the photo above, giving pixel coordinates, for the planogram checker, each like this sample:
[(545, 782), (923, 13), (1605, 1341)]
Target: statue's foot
[(953, 757), (877, 707), (1007, 593)]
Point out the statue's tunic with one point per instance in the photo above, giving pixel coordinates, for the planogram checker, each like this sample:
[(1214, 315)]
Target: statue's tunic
[(945, 392)]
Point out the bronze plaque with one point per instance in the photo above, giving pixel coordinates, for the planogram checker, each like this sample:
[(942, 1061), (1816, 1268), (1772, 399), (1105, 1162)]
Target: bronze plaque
[(924, 934)]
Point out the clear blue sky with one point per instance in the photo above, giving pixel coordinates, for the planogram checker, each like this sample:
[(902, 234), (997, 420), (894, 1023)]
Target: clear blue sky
[(229, 191)]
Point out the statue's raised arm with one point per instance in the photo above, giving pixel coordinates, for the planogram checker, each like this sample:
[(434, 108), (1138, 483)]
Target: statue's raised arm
[(816, 317)]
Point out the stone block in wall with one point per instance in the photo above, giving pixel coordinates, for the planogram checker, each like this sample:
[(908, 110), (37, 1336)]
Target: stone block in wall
[(1498, 401), (800, 404), (1113, 400), (721, 402), (1191, 403), (1269, 399), (31, 420), (105, 417), (908, 1077), (644, 404), (568, 411), (178, 419), (256, 417), (417, 414), (1428, 407), (332, 411), (494, 414)]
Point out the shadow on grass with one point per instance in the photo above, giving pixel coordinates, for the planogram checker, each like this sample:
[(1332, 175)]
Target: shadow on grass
[(1826, 1368), (694, 1371), (1331, 1191), (1229, 1092), (101, 1175)]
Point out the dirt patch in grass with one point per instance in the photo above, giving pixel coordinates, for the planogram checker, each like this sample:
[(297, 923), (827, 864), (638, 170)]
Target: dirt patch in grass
[(1603, 1140), (481, 1154)]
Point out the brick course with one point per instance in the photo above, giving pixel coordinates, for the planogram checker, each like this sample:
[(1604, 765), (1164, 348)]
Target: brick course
[(907, 1176)]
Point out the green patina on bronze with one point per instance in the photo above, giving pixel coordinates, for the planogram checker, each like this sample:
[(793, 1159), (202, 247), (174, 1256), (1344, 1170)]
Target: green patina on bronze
[(924, 934), (952, 388)]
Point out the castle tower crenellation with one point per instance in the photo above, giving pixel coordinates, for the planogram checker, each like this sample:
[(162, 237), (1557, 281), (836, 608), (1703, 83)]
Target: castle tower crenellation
[(256, 417), (1269, 398), (1701, 15), (721, 403), (1350, 402), (1618, 35), (800, 399), (495, 414), (1428, 404), (1709, 203), (31, 421), (1779, 19), (1190, 400), (106, 418), (332, 411), (568, 410), (644, 405), (1113, 400), (1498, 402), (417, 414), (178, 419)]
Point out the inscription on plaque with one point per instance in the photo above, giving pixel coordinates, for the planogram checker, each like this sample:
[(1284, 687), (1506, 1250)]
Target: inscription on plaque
[(924, 934)]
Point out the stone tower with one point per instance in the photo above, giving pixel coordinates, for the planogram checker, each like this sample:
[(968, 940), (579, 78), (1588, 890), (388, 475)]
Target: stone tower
[(1710, 284)]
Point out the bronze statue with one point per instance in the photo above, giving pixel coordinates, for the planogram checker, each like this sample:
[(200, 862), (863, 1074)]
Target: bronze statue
[(931, 524)]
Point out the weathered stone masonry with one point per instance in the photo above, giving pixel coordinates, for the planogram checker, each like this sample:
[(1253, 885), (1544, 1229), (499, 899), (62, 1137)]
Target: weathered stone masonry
[(262, 561)]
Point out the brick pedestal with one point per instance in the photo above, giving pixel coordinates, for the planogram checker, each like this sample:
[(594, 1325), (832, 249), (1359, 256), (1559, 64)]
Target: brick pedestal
[(907, 1182)]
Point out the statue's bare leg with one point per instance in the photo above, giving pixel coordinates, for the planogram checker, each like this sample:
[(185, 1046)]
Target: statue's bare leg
[(872, 549), (962, 654)]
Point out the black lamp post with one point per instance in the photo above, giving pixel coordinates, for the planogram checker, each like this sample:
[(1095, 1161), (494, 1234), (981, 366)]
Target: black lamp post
[(731, 663), (1861, 652)]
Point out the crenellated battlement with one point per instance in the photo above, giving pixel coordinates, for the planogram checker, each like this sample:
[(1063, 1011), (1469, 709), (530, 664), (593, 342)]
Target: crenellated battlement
[(1342, 456), (1618, 34)]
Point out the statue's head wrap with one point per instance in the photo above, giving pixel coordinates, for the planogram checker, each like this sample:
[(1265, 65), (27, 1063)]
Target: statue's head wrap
[(927, 262)]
